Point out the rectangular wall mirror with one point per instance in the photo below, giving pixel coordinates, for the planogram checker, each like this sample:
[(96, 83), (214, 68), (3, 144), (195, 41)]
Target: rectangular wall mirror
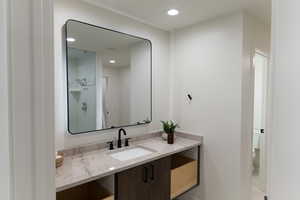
[(109, 77)]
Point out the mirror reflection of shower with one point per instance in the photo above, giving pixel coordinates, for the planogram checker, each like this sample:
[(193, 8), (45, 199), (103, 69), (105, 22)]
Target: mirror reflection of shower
[(82, 88), (96, 92), (82, 82)]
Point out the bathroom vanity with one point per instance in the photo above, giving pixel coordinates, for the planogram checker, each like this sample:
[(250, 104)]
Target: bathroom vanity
[(167, 172), (109, 85)]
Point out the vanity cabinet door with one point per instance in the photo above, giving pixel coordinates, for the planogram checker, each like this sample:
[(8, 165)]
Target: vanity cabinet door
[(160, 179), (132, 184), (147, 182)]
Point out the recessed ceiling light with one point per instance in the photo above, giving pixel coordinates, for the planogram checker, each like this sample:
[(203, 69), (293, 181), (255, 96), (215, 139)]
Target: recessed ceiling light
[(70, 39), (173, 12), (112, 61)]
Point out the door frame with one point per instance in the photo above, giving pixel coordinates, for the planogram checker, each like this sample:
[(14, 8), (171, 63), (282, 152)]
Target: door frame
[(5, 141), (266, 101), (39, 136), (29, 63)]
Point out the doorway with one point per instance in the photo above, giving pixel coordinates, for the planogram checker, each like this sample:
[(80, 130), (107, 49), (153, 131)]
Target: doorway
[(259, 159)]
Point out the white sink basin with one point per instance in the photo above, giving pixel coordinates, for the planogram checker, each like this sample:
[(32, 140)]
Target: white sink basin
[(132, 153)]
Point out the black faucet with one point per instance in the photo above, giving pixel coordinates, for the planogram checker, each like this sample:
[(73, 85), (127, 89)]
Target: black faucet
[(119, 139)]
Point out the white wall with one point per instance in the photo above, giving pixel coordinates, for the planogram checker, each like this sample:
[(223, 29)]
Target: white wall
[(212, 62), (125, 77), (208, 59), (72, 9), (285, 126), (99, 92), (113, 95), (118, 95), (140, 96)]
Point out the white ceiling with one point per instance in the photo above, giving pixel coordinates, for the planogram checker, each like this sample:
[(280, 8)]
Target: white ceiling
[(110, 45), (153, 12)]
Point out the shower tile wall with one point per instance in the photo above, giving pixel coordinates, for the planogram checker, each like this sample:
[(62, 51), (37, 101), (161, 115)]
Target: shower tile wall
[(82, 89)]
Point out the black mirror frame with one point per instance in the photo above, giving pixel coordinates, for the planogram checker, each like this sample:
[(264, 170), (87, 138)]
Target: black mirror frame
[(67, 78)]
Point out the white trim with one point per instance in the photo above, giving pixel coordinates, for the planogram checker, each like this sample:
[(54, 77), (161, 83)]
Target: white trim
[(43, 99), (247, 124), (5, 141), (20, 99), (270, 94), (32, 99)]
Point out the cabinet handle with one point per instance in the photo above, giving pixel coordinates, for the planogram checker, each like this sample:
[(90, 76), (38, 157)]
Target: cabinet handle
[(152, 172), (145, 175)]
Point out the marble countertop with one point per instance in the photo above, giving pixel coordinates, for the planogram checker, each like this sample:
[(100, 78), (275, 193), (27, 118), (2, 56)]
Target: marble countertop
[(85, 167)]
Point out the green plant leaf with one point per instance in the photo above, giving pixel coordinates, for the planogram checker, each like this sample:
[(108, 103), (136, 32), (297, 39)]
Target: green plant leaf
[(169, 126)]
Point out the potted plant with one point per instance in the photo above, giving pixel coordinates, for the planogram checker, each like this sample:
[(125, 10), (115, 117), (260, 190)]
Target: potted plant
[(169, 128)]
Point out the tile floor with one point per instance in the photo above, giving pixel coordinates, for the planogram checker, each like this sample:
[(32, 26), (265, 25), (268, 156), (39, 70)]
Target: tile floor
[(257, 189), (257, 194)]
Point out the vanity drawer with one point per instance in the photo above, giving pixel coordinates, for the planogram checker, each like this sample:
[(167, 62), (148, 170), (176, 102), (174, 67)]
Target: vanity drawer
[(184, 175)]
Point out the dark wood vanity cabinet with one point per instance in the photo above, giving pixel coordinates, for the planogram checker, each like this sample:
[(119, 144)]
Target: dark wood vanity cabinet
[(163, 179), (147, 182)]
